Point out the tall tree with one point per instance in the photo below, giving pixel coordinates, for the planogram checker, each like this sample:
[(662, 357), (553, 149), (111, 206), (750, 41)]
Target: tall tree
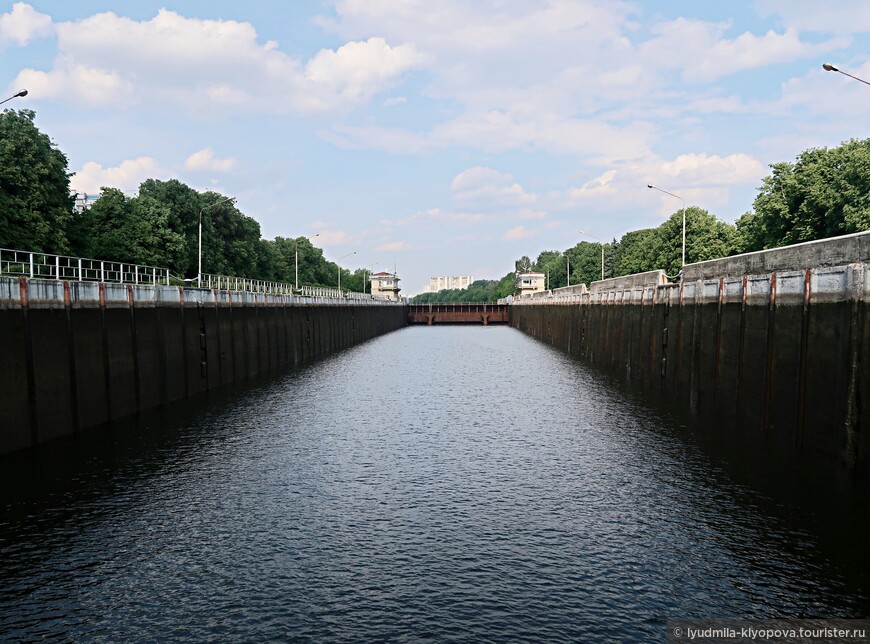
[(825, 193), (636, 252), (135, 230), (35, 201), (585, 262), (230, 239), (183, 203), (706, 238)]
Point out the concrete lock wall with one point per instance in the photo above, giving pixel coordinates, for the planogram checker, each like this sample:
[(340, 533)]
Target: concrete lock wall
[(774, 343), (80, 354)]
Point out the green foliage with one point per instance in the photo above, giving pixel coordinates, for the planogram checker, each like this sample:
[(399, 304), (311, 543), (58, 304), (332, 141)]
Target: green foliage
[(133, 230), (643, 250), (634, 252), (184, 203), (478, 291), (585, 262), (159, 226), (706, 238), (35, 200), (824, 194), (230, 240), (505, 286)]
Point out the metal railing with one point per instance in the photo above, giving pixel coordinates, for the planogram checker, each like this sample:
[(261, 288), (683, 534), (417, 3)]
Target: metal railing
[(243, 284), (277, 288), (19, 263), (319, 291)]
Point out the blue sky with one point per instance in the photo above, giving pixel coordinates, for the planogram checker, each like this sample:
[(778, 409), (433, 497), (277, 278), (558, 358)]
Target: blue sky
[(442, 138)]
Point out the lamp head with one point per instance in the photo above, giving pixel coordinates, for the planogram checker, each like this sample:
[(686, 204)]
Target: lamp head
[(829, 68), (649, 185), (22, 93)]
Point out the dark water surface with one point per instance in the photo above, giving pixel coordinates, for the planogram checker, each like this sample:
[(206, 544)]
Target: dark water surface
[(437, 483)]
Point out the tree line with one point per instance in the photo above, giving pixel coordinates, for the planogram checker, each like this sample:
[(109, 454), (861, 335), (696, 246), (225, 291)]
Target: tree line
[(159, 226), (824, 193)]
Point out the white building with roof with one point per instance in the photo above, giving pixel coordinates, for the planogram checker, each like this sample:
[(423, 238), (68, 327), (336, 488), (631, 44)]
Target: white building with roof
[(528, 283), (385, 285)]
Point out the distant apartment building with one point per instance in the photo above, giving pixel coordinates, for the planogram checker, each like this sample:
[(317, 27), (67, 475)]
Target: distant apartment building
[(448, 283), (385, 285)]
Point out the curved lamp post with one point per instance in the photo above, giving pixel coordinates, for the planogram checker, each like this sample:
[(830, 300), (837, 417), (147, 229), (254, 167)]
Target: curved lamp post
[(216, 203), (20, 94), (830, 68), (296, 248), (652, 187), (600, 243), (338, 263)]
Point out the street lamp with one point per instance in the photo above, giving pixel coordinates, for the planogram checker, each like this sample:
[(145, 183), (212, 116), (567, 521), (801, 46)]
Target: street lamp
[(601, 243), (652, 187), (830, 68), (568, 268), (338, 263), (216, 203), (21, 94), (296, 248)]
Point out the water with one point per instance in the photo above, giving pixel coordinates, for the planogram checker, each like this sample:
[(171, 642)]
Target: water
[(462, 483)]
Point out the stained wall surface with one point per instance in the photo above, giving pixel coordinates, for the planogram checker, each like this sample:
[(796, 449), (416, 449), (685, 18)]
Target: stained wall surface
[(80, 354), (775, 343)]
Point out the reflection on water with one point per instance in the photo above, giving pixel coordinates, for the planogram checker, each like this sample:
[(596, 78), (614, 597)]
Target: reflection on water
[(465, 483)]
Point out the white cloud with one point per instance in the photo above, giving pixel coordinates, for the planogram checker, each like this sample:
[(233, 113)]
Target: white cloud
[(126, 177), (358, 70), (332, 238), (205, 160), (830, 95), (573, 77), (500, 131), (702, 52), (23, 24), (700, 179), (196, 63), (480, 184), (438, 216), (601, 185), (517, 233), (88, 85), (844, 16), (711, 170), (396, 100), (392, 246)]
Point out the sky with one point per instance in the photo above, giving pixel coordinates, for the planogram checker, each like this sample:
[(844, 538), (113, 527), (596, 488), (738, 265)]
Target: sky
[(441, 138)]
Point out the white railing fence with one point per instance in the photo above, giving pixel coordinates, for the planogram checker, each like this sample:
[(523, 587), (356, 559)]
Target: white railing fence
[(19, 263)]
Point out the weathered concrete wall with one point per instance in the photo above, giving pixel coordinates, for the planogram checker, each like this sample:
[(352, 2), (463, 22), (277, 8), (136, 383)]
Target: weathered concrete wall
[(79, 354), (774, 343)]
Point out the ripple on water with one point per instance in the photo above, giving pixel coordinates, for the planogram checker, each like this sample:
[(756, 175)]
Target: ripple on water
[(446, 483)]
